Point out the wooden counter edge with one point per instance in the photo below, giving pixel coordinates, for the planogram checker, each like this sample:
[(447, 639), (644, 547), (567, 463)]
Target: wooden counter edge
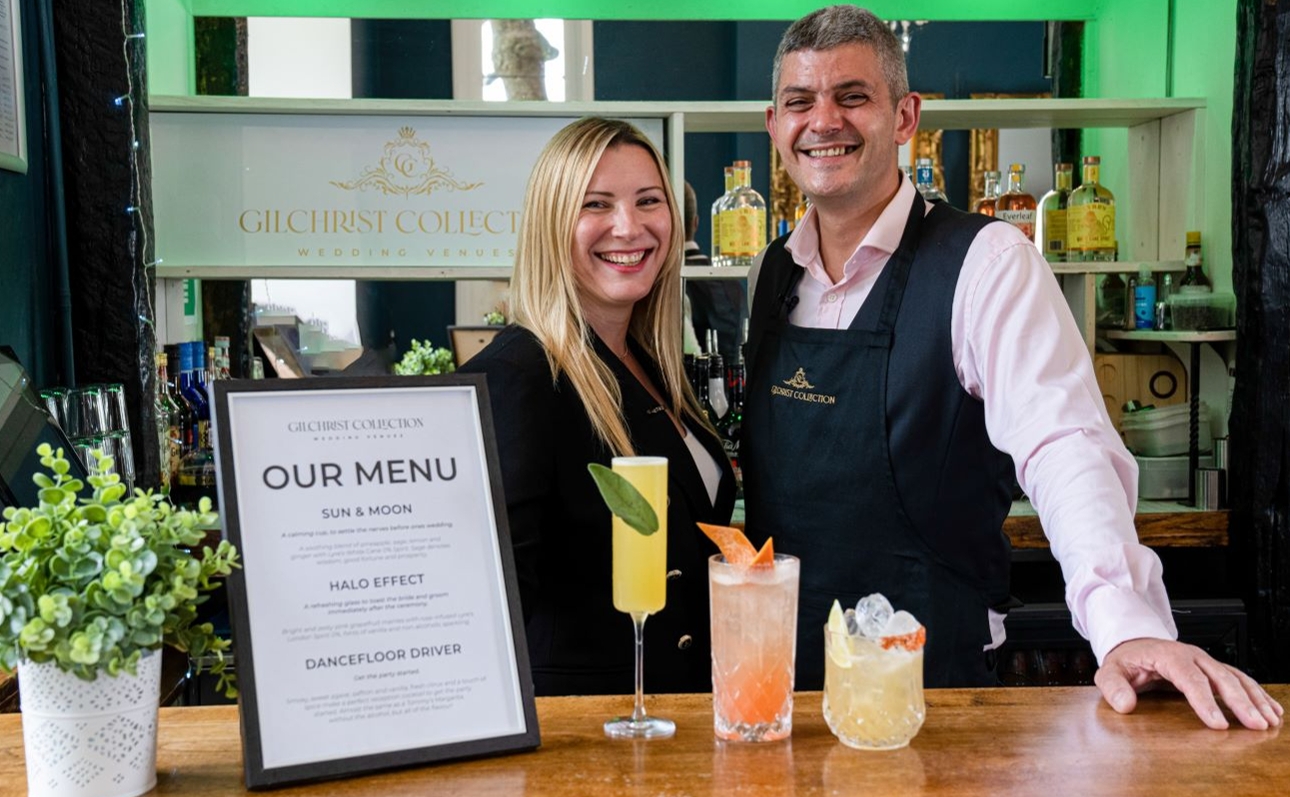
[(1156, 530)]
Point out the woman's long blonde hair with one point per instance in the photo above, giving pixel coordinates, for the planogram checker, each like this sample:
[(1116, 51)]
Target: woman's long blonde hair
[(544, 293)]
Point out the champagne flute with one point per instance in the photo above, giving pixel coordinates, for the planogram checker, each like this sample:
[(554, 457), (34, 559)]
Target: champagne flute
[(640, 583)]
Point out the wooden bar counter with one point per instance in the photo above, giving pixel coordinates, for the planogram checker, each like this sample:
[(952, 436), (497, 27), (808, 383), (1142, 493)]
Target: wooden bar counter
[(1046, 742)]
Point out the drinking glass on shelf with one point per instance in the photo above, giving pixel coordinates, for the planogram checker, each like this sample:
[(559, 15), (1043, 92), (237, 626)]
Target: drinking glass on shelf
[(55, 398), (640, 584), (84, 446), (117, 415), (123, 450), (85, 411), (754, 639)]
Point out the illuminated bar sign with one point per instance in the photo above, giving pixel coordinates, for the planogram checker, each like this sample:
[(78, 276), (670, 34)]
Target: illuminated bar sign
[(324, 191)]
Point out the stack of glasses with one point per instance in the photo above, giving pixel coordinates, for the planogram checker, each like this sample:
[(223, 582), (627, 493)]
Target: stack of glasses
[(94, 417)]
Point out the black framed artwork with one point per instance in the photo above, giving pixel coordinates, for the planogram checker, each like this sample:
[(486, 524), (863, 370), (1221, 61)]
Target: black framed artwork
[(376, 620)]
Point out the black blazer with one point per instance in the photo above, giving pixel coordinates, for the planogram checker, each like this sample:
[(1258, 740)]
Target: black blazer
[(560, 528)]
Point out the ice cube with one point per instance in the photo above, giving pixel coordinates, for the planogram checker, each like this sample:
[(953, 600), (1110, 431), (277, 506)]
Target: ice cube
[(872, 613), (853, 626), (901, 623)]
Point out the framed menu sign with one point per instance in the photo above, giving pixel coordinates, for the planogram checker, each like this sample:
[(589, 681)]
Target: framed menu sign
[(376, 619)]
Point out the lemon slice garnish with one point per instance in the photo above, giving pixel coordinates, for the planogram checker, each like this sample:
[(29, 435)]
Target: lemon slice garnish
[(838, 641)]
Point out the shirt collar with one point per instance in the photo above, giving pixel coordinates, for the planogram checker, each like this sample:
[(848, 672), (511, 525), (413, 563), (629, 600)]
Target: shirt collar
[(883, 237)]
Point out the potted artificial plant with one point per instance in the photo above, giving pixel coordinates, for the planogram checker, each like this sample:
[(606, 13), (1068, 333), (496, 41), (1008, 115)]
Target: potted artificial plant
[(90, 589)]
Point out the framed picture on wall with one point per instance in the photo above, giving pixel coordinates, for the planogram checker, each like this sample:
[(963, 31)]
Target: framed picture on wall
[(13, 128)]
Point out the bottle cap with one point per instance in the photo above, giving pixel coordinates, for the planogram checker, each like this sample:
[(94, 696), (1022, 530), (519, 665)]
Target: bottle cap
[(1092, 160), (1017, 167), (743, 164), (1065, 167), (1193, 237)]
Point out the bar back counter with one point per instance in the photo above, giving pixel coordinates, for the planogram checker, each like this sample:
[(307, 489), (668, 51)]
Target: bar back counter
[(1035, 741)]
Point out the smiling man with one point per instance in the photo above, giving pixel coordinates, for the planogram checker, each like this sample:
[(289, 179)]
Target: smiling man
[(906, 361)]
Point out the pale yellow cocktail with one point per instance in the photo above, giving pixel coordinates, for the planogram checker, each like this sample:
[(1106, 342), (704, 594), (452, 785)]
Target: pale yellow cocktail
[(873, 690), (640, 562)]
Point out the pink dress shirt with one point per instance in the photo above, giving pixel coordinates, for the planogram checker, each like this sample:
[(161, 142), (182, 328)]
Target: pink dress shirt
[(1017, 349)]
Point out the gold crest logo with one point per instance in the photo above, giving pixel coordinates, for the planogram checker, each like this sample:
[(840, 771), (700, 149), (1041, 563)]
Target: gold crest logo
[(799, 380), (800, 385), (406, 168)]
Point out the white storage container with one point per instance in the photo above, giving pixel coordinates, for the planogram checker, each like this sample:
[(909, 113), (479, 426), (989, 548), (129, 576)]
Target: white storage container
[(1164, 432), (1165, 477)]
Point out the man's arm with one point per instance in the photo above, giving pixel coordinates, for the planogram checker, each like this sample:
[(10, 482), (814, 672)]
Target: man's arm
[(1017, 348)]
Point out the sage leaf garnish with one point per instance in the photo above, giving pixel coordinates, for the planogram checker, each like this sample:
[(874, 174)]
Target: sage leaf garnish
[(624, 500)]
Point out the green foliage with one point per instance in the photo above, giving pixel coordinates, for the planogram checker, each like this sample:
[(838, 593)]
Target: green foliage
[(624, 500), (92, 583), (495, 318), (424, 358)]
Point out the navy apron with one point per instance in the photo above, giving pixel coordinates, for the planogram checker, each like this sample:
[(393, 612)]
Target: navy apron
[(819, 476)]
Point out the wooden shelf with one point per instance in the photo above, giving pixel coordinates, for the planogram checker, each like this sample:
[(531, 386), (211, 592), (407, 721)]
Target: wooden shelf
[(714, 272), (717, 117), (1118, 267), (1171, 336), (1183, 528)]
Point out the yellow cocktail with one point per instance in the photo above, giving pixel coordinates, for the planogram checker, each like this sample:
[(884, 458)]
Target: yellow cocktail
[(640, 562), (640, 580), (873, 687)]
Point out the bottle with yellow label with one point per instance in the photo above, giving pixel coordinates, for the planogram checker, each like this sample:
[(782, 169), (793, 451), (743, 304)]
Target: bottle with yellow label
[(1090, 218), (1050, 221), (718, 259), (743, 220)]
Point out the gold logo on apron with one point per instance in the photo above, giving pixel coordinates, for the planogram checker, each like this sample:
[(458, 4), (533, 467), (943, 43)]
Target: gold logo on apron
[(801, 385)]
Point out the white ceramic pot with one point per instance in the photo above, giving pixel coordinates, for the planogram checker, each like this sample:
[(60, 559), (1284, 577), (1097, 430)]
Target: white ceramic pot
[(90, 738)]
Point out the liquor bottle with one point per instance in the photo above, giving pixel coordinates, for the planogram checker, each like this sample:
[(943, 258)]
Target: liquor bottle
[(743, 220), (1015, 206), (716, 377), (1194, 281), (1050, 219), (800, 210), (987, 201), (1090, 218), (731, 424), (167, 411), (197, 467), (718, 259), (1144, 300), (926, 181), (1111, 301)]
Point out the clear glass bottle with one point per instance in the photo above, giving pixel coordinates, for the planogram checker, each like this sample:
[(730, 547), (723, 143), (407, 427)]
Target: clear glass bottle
[(1194, 280), (1090, 218), (167, 411), (925, 174), (743, 220), (1111, 302), (716, 376), (1050, 218), (717, 258), (1014, 205), (986, 203)]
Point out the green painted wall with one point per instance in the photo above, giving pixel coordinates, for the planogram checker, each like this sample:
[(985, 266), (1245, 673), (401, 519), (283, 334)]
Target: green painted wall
[(650, 9), (1204, 57), (171, 65)]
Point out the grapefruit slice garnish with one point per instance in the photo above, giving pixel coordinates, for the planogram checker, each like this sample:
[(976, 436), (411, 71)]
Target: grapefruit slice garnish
[(732, 542), (911, 641), (766, 556)]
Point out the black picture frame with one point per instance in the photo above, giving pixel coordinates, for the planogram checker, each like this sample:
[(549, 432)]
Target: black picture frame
[(260, 776)]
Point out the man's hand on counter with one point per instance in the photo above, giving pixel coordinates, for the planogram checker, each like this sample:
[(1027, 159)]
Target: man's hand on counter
[(1138, 665)]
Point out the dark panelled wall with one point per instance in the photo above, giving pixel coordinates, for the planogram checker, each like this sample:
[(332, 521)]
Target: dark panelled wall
[(28, 293), (732, 61), (108, 185), (402, 59), (1260, 526)]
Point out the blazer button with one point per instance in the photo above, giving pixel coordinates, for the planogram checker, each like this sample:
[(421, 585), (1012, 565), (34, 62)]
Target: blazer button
[(684, 642), (673, 575)]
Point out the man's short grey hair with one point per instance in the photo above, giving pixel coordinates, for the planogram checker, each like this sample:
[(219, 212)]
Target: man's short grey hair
[(835, 26)]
